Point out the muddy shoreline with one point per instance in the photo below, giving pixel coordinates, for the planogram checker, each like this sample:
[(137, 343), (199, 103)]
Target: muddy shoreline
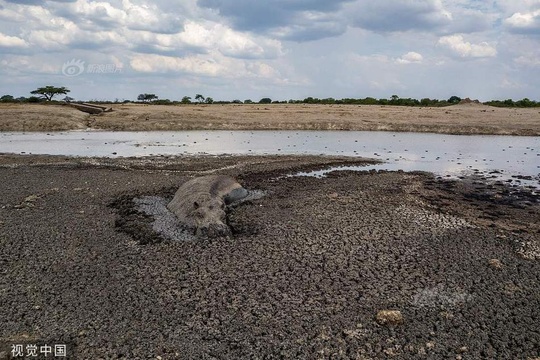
[(304, 276), (464, 119)]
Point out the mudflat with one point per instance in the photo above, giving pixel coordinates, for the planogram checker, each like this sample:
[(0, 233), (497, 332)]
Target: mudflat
[(457, 119), (310, 271)]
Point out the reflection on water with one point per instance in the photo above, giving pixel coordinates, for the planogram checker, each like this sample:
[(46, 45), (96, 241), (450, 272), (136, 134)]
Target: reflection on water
[(442, 154)]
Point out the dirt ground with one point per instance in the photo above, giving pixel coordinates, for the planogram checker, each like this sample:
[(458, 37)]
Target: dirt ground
[(304, 276), (457, 119)]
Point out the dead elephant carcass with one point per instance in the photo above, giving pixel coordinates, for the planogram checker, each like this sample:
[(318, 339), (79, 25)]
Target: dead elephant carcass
[(201, 202)]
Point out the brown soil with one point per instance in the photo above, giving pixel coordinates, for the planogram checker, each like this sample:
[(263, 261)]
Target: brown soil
[(458, 119)]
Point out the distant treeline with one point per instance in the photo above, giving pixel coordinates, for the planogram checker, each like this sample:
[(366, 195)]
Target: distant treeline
[(511, 103), (199, 99)]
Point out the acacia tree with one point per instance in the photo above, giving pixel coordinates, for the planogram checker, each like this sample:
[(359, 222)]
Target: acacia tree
[(186, 100), (48, 92), (147, 97), (199, 98)]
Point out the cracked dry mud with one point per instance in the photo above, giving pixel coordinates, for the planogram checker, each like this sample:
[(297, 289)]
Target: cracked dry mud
[(305, 275)]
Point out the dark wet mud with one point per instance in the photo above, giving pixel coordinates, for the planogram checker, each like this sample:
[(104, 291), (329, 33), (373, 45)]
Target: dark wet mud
[(305, 275)]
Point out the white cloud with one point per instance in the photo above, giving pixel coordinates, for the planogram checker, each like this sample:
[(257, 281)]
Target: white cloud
[(204, 37), (11, 15), (464, 49), (229, 42), (17, 64), (150, 18), (72, 35), (524, 22), (12, 41), (410, 58), (127, 15), (96, 12), (528, 60), (211, 65), (152, 63)]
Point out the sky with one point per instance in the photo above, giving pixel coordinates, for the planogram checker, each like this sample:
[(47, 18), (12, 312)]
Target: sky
[(282, 49)]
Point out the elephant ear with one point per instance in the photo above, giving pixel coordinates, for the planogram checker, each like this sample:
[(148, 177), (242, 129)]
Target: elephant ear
[(202, 199), (235, 195)]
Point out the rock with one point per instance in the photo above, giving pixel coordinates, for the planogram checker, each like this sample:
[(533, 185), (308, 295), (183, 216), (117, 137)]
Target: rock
[(333, 195), (201, 202), (390, 317), (495, 263), (31, 198)]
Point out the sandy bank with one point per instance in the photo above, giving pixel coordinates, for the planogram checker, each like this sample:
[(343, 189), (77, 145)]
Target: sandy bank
[(457, 119)]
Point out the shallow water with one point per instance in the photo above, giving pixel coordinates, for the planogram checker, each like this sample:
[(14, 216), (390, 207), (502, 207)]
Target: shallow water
[(445, 155)]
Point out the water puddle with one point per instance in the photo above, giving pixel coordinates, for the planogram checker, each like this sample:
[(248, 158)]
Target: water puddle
[(515, 159), (490, 176)]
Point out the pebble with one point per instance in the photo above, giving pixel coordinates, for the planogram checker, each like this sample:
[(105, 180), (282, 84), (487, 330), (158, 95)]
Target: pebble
[(390, 317), (495, 263)]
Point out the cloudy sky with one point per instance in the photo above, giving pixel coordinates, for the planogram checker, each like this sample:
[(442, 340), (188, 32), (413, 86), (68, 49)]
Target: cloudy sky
[(248, 49)]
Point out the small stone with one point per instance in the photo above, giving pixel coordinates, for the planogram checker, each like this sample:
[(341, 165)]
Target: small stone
[(463, 349), (495, 263), (430, 345), (333, 195), (446, 315), (31, 198), (389, 317)]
